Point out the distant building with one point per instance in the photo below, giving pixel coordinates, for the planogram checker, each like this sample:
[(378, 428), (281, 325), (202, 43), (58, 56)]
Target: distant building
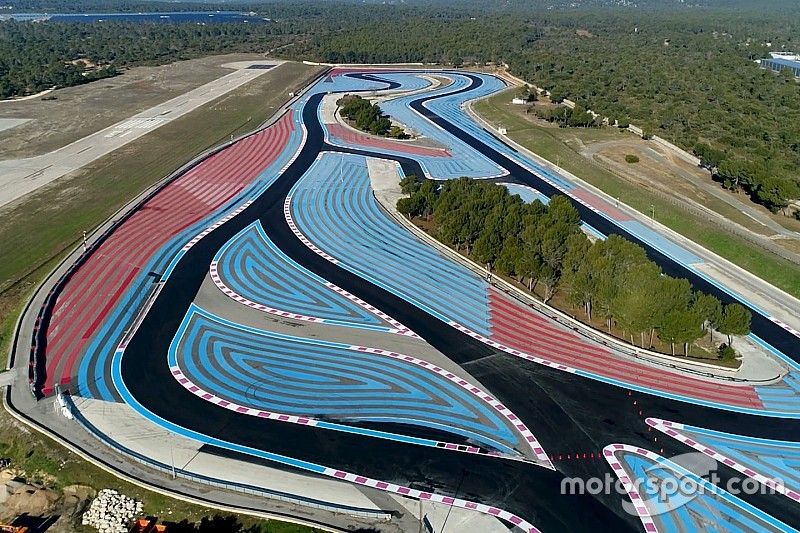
[(782, 62), (791, 56)]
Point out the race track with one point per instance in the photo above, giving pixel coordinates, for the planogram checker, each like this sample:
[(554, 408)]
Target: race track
[(283, 316)]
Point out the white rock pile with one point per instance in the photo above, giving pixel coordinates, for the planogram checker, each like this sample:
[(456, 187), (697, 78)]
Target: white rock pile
[(111, 512)]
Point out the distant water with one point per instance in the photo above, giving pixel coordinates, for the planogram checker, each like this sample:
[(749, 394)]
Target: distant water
[(204, 17)]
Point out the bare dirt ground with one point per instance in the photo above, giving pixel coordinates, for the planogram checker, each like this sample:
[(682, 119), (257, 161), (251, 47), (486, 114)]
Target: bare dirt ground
[(662, 171), (79, 111)]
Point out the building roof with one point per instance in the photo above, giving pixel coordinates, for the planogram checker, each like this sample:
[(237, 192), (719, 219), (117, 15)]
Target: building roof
[(782, 62)]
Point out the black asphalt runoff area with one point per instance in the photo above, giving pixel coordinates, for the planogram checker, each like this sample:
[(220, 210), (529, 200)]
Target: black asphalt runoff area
[(568, 414)]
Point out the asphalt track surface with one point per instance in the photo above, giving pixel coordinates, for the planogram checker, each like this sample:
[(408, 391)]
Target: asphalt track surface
[(568, 414)]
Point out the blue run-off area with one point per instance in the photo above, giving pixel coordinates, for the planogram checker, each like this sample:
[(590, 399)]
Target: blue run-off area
[(327, 380), (409, 81), (333, 206), (783, 396), (703, 507), (464, 161), (529, 194), (252, 266), (339, 83), (95, 364), (774, 459)]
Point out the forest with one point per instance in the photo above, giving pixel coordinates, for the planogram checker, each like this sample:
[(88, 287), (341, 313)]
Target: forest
[(37, 56), (685, 73), (543, 247)]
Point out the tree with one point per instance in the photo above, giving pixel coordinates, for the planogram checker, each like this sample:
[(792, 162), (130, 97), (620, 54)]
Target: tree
[(709, 308), (509, 256), (410, 184), (490, 242), (529, 265), (450, 226), (407, 206), (735, 321), (726, 352), (680, 325), (632, 306)]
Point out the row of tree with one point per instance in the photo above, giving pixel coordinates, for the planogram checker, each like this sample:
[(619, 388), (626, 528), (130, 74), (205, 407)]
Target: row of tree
[(568, 117), (368, 117), (543, 246)]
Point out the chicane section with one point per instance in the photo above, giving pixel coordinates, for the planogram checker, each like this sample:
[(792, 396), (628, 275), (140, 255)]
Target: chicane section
[(461, 159)]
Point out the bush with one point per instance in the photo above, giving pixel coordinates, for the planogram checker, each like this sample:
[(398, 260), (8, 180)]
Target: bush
[(726, 352), (630, 158)]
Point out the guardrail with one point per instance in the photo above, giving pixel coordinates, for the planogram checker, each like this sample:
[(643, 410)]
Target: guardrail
[(213, 482)]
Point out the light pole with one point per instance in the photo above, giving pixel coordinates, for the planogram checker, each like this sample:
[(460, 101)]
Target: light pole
[(652, 211)]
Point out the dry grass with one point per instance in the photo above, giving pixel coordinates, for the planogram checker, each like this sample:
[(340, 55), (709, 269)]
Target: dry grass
[(45, 462)]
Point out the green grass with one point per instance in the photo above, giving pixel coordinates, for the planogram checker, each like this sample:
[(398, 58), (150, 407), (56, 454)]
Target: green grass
[(546, 143), (49, 223)]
